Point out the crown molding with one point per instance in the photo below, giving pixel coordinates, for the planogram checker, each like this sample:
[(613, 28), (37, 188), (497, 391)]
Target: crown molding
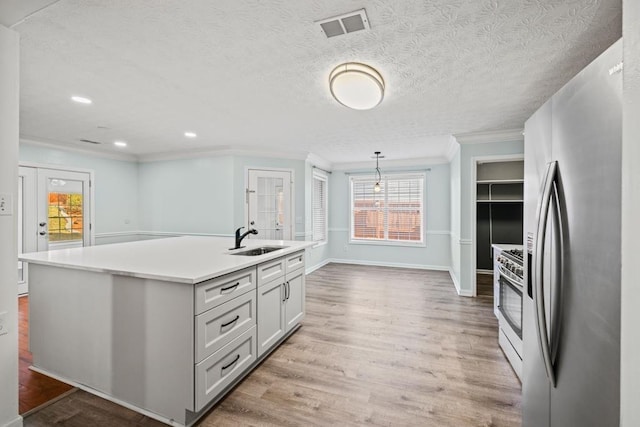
[(223, 150), (453, 148), (55, 145), (318, 161), (507, 135), (420, 162)]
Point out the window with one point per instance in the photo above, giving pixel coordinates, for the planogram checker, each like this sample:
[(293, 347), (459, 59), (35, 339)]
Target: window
[(394, 215), (319, 208)]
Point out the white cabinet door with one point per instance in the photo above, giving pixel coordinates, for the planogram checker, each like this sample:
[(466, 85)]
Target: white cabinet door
[(271, 305), (294, 302)]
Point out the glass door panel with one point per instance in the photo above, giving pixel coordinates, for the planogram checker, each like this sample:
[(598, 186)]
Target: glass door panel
[(269, 204), (62, 212)]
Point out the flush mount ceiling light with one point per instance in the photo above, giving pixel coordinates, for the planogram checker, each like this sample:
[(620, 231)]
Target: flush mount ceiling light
[(120, 144), (376, 188), (190, 134), (81, 100), (356, 86)]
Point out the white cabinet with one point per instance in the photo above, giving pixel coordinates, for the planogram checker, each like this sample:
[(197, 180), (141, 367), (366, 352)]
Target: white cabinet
[(294, 298), (221, 325), (281, 302), (271, 304), (221, 368)]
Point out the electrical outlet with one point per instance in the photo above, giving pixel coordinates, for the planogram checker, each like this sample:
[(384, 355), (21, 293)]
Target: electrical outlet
[(6, 207), (4, 330), (346, 247)]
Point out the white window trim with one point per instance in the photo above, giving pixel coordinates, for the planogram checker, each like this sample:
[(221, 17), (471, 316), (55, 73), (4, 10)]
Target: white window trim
[(407, 174), (322, 177)]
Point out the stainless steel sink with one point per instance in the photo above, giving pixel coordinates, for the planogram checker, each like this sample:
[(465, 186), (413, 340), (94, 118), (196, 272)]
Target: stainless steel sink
[(259, 251)]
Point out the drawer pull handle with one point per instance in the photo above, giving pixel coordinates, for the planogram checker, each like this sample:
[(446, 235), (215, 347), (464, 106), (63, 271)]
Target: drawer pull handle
[(230, 322), (288, 290), (232, 363), (300, 259), (284, 298), (230, 287)]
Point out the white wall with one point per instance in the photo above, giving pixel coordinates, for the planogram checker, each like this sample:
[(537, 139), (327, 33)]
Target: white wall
[(435, 255), (9, 108), (630, 333), (188, 195), (116, 185), (466, 242)]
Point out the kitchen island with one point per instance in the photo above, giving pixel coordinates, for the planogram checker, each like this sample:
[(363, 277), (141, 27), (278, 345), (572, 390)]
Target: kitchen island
[(165, 327)]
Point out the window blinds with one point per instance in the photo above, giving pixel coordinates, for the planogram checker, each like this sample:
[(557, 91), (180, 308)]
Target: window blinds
[(394, 214), (319, 209)]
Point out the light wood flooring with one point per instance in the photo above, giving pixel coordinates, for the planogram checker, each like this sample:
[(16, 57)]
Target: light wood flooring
[(379, 346)]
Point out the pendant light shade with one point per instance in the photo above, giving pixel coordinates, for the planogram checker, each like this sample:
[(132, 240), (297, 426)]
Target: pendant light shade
[(356, 86), (376, 187)]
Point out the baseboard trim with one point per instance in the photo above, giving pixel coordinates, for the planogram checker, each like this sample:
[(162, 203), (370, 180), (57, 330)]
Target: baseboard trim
[(456, 283), (489, 272), (388, 264), (317, 266), (17, 422)]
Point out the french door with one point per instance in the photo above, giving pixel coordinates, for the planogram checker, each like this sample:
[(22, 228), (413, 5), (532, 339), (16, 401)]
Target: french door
[(54, 212), (269, 203)]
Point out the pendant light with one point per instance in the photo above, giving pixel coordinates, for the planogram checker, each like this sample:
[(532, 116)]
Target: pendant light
[(376, 188)]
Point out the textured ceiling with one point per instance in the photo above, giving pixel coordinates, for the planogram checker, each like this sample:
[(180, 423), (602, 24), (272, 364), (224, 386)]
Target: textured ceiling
[(254, 73)]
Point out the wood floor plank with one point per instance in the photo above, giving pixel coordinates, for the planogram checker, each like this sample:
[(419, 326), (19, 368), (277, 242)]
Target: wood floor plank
[(379, 346)]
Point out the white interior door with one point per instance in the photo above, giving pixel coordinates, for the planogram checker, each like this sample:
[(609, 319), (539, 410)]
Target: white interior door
[(63, 209), (27, 220), (54, 212), (269, 200)]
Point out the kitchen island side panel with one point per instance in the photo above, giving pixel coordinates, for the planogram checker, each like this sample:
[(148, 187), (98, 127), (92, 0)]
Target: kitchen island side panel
[(129, 338)]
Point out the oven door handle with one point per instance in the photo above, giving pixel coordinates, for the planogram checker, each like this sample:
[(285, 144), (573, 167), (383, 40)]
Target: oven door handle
[(538, 269)]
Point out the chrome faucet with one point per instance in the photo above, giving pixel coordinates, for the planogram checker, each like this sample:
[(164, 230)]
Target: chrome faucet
[(239, 236)]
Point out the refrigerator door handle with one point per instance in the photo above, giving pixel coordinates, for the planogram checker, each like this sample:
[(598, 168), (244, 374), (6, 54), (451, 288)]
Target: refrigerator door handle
[(538, 269), (556, 314)]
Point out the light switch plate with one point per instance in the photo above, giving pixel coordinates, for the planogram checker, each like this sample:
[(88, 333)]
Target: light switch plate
[(6, 205)]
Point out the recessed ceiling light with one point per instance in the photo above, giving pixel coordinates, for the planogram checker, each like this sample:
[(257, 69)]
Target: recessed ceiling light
[(120, 144), (81, 99), (190, 134)]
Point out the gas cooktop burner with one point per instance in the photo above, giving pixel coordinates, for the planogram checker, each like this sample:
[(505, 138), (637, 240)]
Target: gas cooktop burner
[(515, 255)]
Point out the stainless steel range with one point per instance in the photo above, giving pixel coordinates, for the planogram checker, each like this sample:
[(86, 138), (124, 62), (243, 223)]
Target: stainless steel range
[(511, 267)]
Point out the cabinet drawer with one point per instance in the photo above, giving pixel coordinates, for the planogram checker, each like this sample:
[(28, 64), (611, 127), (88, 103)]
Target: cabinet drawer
[(220, 369), (219, 326), (294, 261), (270, 270), (222, 289)]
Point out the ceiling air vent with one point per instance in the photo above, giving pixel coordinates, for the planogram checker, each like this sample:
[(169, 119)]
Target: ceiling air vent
[(88, 141), (344, 24)]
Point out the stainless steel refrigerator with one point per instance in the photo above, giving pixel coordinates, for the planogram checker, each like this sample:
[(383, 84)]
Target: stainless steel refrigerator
[(572, 208)]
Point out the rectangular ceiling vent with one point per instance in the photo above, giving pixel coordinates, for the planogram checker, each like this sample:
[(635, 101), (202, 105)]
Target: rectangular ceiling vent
[(88, 141), (344, 24)]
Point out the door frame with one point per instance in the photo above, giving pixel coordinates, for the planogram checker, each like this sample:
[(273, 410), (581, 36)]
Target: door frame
[(473, 208), (92, 191), (292, 203)]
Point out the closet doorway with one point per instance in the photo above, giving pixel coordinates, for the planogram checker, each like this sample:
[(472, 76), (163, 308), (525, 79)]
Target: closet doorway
[(498, 205)]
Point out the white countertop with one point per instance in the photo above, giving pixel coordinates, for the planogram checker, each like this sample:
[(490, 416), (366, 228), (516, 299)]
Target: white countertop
[(187, 259)]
